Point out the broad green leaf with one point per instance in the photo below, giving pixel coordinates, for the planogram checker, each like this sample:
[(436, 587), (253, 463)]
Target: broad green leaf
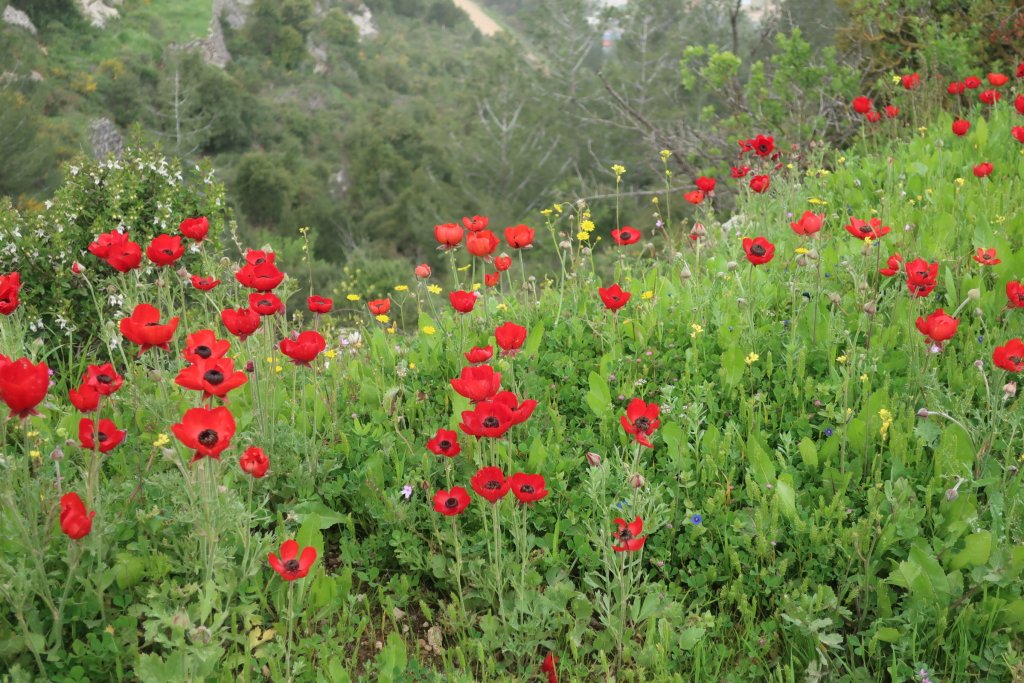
[(785, 497), (689, 638), (809, 453), (761, 464), (977, 549)]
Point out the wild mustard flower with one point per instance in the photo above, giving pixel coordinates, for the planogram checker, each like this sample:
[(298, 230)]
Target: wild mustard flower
[(619, 170), (751, 358), (886, 418), (841, 359), (161, 441)]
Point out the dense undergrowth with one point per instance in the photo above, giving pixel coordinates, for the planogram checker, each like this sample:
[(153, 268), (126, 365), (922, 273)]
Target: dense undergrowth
[(828, 496)]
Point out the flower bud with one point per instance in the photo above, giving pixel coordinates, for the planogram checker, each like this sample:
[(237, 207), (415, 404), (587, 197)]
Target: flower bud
[(637, 481), (698, 230), (565, 245), (685, 272), (422, 271), (923, 412), (77, 268), (250, 366), (952, 494), (731, 266), (978, 313), (834, 298), (974, 294), (1009, 390), (870, 308), (593, 459), (57, 454)]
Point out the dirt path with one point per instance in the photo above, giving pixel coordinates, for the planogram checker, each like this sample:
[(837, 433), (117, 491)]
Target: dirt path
[(483, 23)]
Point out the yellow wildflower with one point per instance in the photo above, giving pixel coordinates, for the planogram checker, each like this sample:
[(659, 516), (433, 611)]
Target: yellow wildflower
[(383, 319), (476, 286), (434, 289), (960, 181), (35, 454), (886, 418), (581, 236), (864, 377), (391, 330), (665, 154), (161, 440), (647, 295), (841, 160), (815, 200), (428, 329), (278, 368), (502, 307), (802, 250), (269, 359), (999, 220), (697, 329), (618, 170), (352, 297), (545, 212), (587, 225), (895, 78), (557, 208), (841, 359), (401, 288), (330, 353), (751, 358)]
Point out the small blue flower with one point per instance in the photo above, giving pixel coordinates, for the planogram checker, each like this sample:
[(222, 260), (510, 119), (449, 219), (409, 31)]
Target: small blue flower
[(981, 339), (828, 432), (697, 519), (620, 504), (828, 274)]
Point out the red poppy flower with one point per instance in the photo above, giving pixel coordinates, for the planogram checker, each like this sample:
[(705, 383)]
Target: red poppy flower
[(103, 378), (989, 96), (492, 279), (873, 117), (254, 462), (304, 349), (448, 235), (862, 230), (808, 224), (124, 256), (104, 242), (694, 197), (760, 183), (480, 354), (549, 667), (740, 171), (1014, 298), (937, 327), (520, 412), (422, 271), (862, 105), (490, 484), (257, 257), (762, 145), (207, 430), (892, 265), (240, 322), (640, 420), (263, 276), (75, 521), (489, 419), (972, 82), (998, 80), (1010, 357), (986, 257), (195, 228), (84, 398), (291, 565), (1018, 133), (628, 535), (379, 306), (23, 386), (1020, 70), (462, 302), (982, 170), (502, 263), (143, 327), (10, 286), (911, 81), (204, 345), (519, 236), (319, 304), (758, 250), (476, 223), (626, 235), (204, 284), (481, 243), (477, 383), (891, 112), (1018, 104), (108, 435), (960, 127), (528, 488), (445, 442), (956, 88), (451, 503), (613, 297), (213, 377), (705, 184), (510, 338), (265, 303), (165, 250), (921, 277)]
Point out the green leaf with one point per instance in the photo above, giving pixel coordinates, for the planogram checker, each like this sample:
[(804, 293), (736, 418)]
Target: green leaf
[(888, 634), (785, 497), (538, 454), (599, 398), (809, 453), (761, 464), (977, 550), (533, 339), (129, 570), (689, 638), (672, 435), (326, 516), (309, 534)]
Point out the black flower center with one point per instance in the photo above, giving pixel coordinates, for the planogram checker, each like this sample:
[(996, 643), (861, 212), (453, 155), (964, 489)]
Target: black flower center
[(452, 502), (493, 485), (757, 250), (104, 378), (526, 488), (203, 351), (643, 424), (624, 534), (169, 252), (265, 303), (1015, 360), (208, 437), (151, 324), (491, 422), (102, 437), (445, 444), (292, 565), (260, 261), (214, 377), (625, 235), (865, 229)]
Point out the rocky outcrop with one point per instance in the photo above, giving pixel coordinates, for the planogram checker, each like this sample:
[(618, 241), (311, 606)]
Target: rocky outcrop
[(234, 12), (98, 12), (106, 139), (15, 17), (363, 19)]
